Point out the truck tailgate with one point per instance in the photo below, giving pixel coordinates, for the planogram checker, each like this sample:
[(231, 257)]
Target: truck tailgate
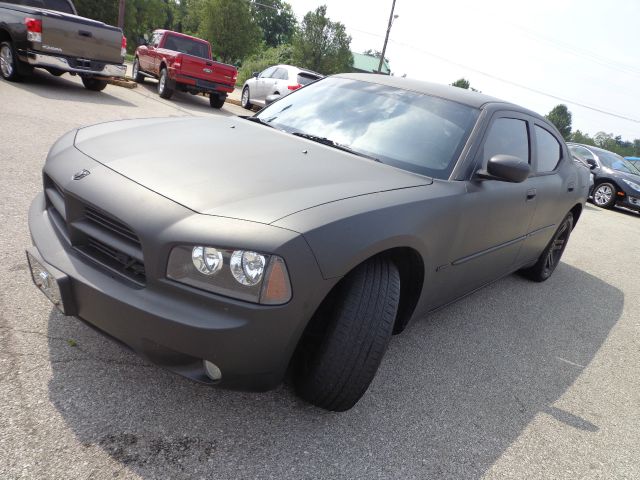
[(80, 37), (208, 70)]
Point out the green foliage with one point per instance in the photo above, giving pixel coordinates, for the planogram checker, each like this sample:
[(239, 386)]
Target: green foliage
[(106, 12), (228, 25), (277, 21), (264, 59), (560, 116), (464, 83), (609, 142), (374, 53), (322, 45), (144, 16)]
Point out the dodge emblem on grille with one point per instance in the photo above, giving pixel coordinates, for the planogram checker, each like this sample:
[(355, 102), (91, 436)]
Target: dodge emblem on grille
[(81, 174)]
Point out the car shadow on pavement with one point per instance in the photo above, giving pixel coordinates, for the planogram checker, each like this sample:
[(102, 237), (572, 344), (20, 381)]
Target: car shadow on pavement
[(51, 87), (453, 393)]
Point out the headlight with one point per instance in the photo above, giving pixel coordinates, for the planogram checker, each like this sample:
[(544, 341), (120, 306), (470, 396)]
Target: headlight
[(633, 185), (243, 274)]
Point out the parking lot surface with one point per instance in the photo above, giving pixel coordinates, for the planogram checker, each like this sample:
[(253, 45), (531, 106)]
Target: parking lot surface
[(519, 380)]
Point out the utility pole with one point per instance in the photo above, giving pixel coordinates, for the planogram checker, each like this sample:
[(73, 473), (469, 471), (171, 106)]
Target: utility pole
[(121, 14), (386, 38)]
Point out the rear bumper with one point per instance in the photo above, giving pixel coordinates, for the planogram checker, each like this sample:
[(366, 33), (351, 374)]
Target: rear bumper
[(200, 85), (93, 68)]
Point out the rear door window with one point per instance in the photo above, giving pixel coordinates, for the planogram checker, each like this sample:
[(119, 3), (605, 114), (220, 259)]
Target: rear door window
[(281, 74), (549, 150), (268, 73), (58, 5), (507, 136)]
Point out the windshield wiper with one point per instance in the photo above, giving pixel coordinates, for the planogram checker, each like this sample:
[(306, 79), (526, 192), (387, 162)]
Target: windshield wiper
[(259, 120), (331, 143)]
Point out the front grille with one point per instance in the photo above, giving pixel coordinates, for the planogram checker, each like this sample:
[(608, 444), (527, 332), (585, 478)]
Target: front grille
[(96, 234)]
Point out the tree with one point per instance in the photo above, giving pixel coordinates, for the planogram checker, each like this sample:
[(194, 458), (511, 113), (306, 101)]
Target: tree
[(322, 45), (264, 59), (584, 138), (228, 25), (464, 83), (560, 116), (375, 53), (277, 21)]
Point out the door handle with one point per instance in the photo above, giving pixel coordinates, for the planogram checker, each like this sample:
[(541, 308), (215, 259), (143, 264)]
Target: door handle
[(85, 33), (531, 193)]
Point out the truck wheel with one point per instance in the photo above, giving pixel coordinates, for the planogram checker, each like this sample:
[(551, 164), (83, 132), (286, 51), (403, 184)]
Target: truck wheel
[(8, 62), (94, 84), (216, 101), (335, 371), (165, 85), (137, 76), (550, 257), (246, 98)]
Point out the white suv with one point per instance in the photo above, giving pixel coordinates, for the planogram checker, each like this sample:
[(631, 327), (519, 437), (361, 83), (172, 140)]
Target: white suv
[(274, 82)]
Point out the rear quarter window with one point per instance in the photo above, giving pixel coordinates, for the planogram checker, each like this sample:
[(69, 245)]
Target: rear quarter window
[(549, 150), (306, 78)]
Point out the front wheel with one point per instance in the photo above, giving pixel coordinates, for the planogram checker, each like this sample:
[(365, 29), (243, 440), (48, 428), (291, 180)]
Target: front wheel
[(349, 336), (604, 195), (550, 258), (94, 84), (245, 101), (216, 101), (165, 85), (137, 76)]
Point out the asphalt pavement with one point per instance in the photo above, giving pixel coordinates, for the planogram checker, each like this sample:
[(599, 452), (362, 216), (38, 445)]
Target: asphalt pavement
[(519, 380)]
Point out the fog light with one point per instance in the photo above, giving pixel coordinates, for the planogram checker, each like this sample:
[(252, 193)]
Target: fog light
[(212, 370)]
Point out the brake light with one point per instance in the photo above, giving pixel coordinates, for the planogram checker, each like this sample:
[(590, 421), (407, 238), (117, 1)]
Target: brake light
[(123, 45), (34, 29), (294, 87)]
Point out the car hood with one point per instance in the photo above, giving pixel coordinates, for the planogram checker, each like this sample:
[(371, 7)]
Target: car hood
[(231, 167)]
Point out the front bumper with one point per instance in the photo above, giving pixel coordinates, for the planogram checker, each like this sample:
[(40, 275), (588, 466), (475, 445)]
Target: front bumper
[(631, 202), (80, 66), (173, 325)]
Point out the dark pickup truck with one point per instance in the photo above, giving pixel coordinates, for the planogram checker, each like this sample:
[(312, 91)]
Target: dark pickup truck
[(182, 62), (49, 34)]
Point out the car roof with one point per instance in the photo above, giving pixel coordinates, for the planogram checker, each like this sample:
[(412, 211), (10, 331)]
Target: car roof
[(183, 35), (447, 92), (595, 149), (298, 69)]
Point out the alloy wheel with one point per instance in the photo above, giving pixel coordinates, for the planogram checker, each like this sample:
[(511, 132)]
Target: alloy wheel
[(558, 245), (6, 61), (603, 195), (135, 68), (245, 97), (163, 81)]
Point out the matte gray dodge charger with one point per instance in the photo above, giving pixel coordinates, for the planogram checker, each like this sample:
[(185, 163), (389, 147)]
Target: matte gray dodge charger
[(233, 250)]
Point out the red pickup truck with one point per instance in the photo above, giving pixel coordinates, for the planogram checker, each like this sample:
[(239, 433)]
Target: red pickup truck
[(181, 62)]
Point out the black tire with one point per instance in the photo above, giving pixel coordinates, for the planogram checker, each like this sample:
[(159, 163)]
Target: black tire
[(135, 74), (216, 101), (550, 257), (9, 63), (94, 84), (604, 195), (165, 85), (335, 370), (245, 100)]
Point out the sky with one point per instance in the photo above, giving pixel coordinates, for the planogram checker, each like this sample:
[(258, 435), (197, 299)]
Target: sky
[(583, 53)]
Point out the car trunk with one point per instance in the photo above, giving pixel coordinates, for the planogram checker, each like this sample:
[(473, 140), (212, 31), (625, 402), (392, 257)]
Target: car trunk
[(81, 37), (207, 70)]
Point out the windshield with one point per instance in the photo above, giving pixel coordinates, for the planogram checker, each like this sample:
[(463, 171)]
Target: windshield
[(409, 130), (188, 46), (616, 162)]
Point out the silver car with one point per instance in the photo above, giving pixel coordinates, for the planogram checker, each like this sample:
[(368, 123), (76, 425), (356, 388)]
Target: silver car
[(275, 82)]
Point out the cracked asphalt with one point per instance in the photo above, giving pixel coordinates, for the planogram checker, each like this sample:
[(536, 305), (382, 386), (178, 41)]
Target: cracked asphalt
[(520, 380)]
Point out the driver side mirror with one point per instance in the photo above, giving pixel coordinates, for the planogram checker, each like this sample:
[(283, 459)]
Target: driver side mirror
[(256, 74), (505, 168), (592, 163), (143, 41)]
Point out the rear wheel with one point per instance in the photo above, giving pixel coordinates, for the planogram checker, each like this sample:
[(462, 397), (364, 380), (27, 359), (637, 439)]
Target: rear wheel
[(604, 195), (8, 62), (94, 84), (165, 85), (337, 363), (246, 98), (216, 101), (135, 74), (550, 258)]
